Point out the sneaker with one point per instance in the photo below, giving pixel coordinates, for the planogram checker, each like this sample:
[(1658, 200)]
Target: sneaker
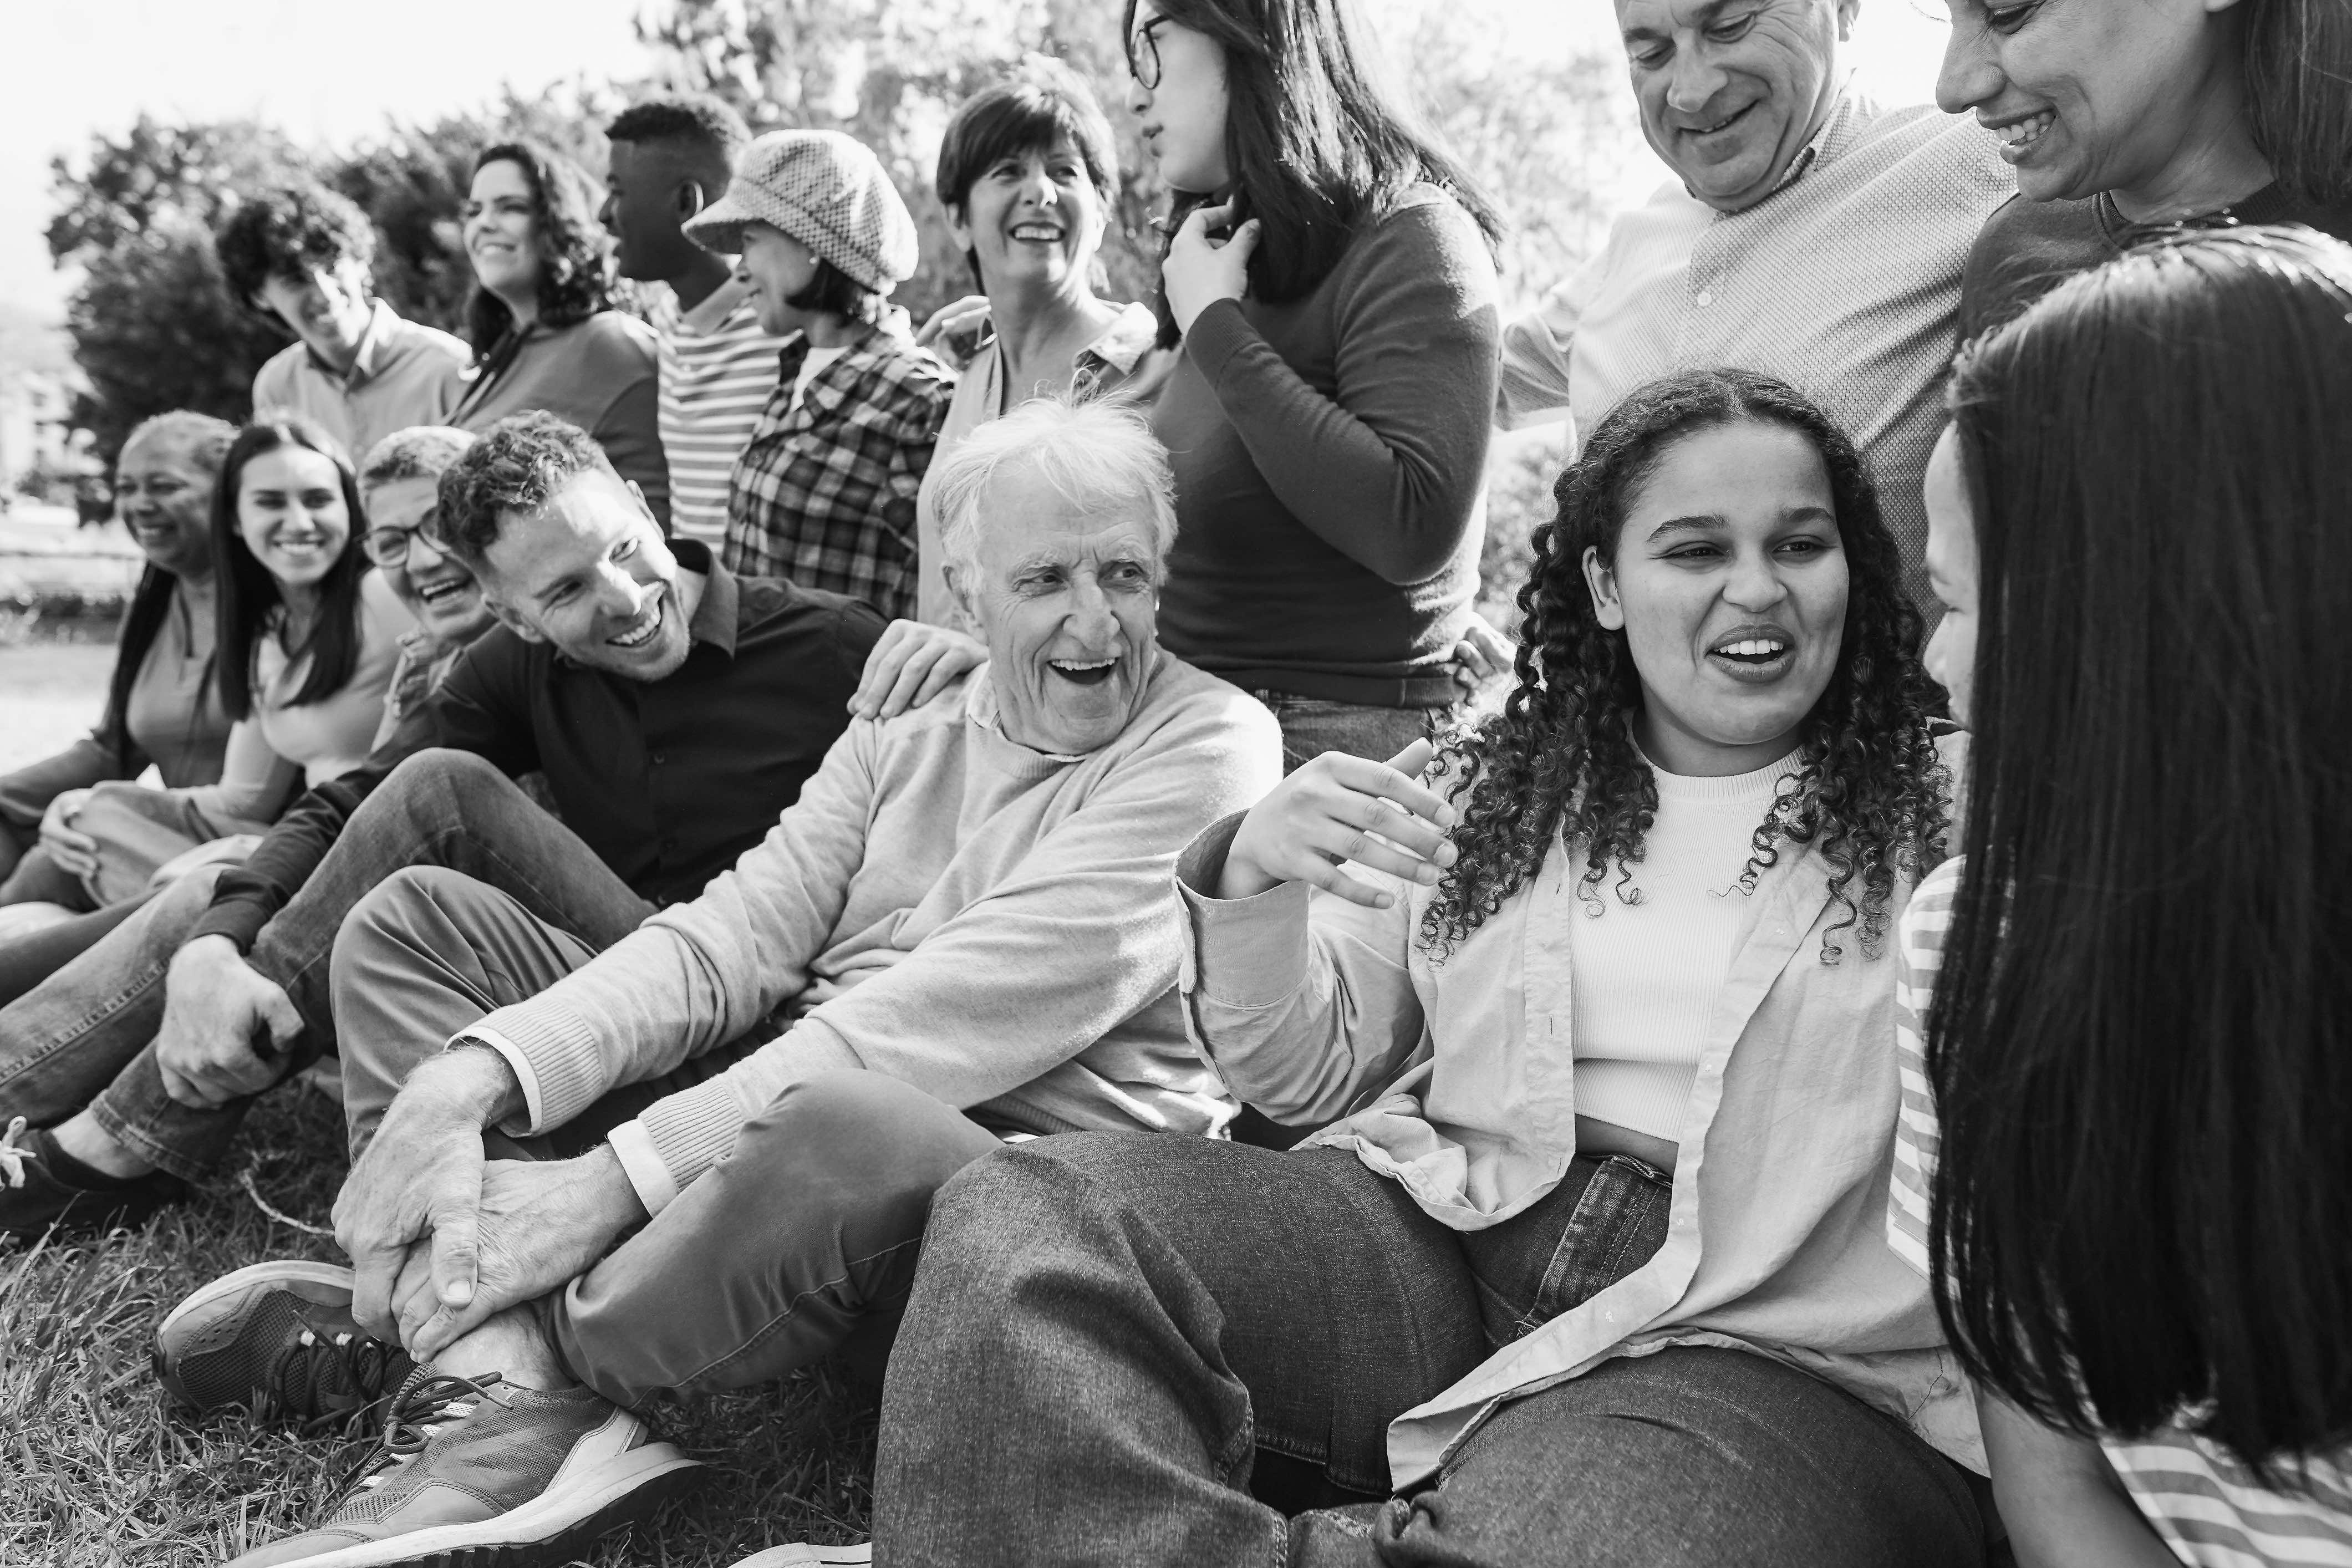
[(278, 1339), (478, 1472), (35, 1198), (800, 1554)]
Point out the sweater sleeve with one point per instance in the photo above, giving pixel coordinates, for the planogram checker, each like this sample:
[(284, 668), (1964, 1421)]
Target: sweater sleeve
[(1302, 1001), (1389, 470)]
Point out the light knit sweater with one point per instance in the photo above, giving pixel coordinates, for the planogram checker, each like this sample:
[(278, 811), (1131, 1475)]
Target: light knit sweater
[(1646, 977), (989, 923)]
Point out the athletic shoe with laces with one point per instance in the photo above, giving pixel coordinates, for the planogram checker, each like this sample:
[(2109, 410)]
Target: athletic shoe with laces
[(278, 1339), (800, 1554), (480, 1473), (35, 1199)]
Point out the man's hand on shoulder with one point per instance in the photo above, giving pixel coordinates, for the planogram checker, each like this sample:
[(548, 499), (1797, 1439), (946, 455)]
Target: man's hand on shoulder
[(422, 1175), (226, 1027), (912, 664)]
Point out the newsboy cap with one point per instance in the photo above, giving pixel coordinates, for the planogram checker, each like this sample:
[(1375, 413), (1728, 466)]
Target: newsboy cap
[(825, 190)]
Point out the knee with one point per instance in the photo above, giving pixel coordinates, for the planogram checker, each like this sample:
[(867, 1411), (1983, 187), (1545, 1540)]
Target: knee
[(854, 1133), (439, 783), (383, 923)]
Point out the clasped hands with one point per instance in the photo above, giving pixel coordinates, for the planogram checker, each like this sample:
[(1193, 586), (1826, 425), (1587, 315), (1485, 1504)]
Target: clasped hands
[(1336, 809), (440, 1237)]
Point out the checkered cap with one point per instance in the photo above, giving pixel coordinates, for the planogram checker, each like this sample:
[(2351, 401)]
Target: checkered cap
[(827, 190)]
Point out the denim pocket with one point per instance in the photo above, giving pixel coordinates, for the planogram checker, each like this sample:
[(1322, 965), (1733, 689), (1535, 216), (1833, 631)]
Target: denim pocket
[(1618, 1225)]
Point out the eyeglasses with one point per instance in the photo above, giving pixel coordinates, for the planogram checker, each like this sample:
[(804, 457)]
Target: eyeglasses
[(389, 546), (1143, 54)]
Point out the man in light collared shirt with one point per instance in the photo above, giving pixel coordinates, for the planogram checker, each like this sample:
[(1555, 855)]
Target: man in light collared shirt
[(1809, 233), (670, 159), (301, 256)]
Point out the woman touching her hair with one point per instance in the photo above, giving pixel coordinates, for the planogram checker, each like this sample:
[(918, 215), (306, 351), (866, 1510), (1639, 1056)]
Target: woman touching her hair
[(2122, 1157), (1328, 274)]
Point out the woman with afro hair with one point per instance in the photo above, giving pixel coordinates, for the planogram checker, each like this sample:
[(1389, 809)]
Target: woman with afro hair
[(1587, 1262)]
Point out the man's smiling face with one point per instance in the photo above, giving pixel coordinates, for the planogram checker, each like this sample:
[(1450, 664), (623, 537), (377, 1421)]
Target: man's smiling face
[(590, 574), (1731, 91)]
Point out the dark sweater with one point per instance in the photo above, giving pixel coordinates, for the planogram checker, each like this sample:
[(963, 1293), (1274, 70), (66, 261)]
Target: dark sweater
[(1330, 459), (2028, 248)]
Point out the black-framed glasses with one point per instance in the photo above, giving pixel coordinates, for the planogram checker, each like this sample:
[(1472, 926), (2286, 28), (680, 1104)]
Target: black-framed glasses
[(389, 546), (1143, 54)]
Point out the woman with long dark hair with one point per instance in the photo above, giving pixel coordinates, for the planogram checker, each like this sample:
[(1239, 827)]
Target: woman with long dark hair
[(1329, 277), (1598, 1024), (161, 703), (2124, 1164), (541, 320), (2123, 119)]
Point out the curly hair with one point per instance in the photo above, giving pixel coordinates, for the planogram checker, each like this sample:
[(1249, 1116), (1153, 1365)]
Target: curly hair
[(286, 232), (517, 466), (574, 253), (1561, 761)]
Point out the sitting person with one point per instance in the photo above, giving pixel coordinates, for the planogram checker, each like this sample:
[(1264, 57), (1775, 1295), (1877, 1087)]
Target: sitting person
[(1595, 1242), (308, 637), (824, 493), (2122, 122), (300, 256), (162, 706), (965, 925), (674, 709), (545, 334), (2161, 1363)]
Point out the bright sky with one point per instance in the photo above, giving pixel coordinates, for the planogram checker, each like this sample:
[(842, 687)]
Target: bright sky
[(334, 72)]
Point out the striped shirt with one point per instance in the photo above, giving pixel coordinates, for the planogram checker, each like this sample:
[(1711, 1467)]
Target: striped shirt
[(1845, 281), (2208, 1507), (718, 368), (824, 492)]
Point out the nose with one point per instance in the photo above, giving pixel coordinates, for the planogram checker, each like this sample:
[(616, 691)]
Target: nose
[(1755, 584), (743, 270), (621, 597), (418, 545), (1696, 79), (1970, 75), (1139, 97), (1037, 188), (1090, 620), (605, 213)]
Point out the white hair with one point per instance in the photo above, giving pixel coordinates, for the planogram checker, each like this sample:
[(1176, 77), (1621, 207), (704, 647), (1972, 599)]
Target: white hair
[(1098, 456)]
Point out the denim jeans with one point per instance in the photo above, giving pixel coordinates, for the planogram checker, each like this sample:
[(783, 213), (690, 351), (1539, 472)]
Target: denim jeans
[(1312, 726), (1108, 1333), (85, 1036), (802, 1239)]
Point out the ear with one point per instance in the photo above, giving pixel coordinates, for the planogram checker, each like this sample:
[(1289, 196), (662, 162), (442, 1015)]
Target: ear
[(1847, 11), (688, 199), (642, 505), (1601, 580), (959, 590), (958, 230)]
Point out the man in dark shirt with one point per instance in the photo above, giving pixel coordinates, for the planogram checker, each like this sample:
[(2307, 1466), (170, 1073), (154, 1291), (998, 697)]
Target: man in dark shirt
[(674, 709)]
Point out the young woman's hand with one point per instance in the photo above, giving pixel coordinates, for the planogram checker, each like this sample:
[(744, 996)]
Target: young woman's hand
[(1483, 654), (1200, 270), (75, 853), (1338, 808), (913, 663)]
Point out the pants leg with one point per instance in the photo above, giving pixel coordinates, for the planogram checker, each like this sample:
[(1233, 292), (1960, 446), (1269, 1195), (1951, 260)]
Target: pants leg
[(1107, 1328), (26, 960), (809, 1231), (1690, 1458), (437, 809), (38, 880)]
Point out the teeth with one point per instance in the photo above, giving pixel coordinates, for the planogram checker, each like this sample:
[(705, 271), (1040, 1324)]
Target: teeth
[(1753, 648), (2025, 131), (1081, 664), (1037, 231)]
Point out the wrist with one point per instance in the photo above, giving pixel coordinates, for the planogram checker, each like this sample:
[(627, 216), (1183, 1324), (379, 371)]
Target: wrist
[(199, 952), (470, 1080), (616, 1195), (1241, 876)]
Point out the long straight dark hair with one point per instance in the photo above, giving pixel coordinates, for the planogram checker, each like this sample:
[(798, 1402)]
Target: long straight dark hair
[(208, 440), (2141, 1040), (1318, 137), (249, 593)]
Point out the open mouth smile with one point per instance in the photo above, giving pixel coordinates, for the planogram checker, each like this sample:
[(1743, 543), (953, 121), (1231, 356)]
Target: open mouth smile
[(647, 624), (1038, 233), (1724, 124), (2017, 135), (438, 593), (1754, 655), (1083, 672)]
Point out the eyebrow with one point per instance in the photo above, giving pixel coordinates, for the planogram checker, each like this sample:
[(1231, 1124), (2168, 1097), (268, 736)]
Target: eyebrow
[(1713, 522)]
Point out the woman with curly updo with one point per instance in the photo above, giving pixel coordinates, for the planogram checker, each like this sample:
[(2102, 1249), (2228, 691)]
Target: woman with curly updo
[(541, 320), (1588, 1265)]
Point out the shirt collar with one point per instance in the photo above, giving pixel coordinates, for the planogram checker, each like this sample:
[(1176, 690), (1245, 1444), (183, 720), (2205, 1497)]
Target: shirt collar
[(1847, 111), (717, 307), (1126, 340), (717, 618), (372, 342), (980, 706)]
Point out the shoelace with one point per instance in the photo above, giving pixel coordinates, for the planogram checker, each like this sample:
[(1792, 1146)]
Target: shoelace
[(315, 1368), (426, 1402), (13, 1155)]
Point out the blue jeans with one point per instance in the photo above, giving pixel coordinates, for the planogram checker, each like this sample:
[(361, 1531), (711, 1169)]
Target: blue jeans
[(1312, 726), (84, 1037), (1109, 1335)]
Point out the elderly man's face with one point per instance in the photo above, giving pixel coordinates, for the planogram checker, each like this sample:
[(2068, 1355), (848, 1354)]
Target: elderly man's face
[(1732, 89), (1067, 602)]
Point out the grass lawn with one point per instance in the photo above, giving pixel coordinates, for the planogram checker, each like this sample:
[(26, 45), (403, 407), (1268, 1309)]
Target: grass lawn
[(95, 1472)]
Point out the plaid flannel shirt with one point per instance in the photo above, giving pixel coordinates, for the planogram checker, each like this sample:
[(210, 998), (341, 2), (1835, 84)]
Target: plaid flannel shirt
[(824, 493)]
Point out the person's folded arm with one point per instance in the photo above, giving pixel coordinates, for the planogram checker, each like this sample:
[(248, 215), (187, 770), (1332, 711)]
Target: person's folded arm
[(1076, 940), (1303, 1002), (475, 709), (1391, 472)]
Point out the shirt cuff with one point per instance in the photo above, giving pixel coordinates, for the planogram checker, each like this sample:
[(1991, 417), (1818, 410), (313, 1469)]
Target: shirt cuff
[(554, 1054), (235, 918), (534, 1106), (632, 1145), (1239, 953)]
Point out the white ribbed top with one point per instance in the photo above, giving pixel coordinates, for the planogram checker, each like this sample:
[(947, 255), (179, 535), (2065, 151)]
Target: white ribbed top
[(1645, 976)]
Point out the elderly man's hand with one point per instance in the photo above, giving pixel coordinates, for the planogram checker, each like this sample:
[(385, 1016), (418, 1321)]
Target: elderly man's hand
[(541, 1225), (1200, 270), (911, 664), (226, 1027), (422, 1175), (1337, 808)]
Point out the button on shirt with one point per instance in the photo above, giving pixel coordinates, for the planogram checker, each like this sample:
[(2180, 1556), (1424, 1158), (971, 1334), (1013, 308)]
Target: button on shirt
[(1845, 281), (738, 728), (404, 374)]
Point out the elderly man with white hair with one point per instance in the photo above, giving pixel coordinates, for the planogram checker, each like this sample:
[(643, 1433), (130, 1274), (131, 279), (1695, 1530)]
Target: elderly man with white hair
[(960, 934)]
